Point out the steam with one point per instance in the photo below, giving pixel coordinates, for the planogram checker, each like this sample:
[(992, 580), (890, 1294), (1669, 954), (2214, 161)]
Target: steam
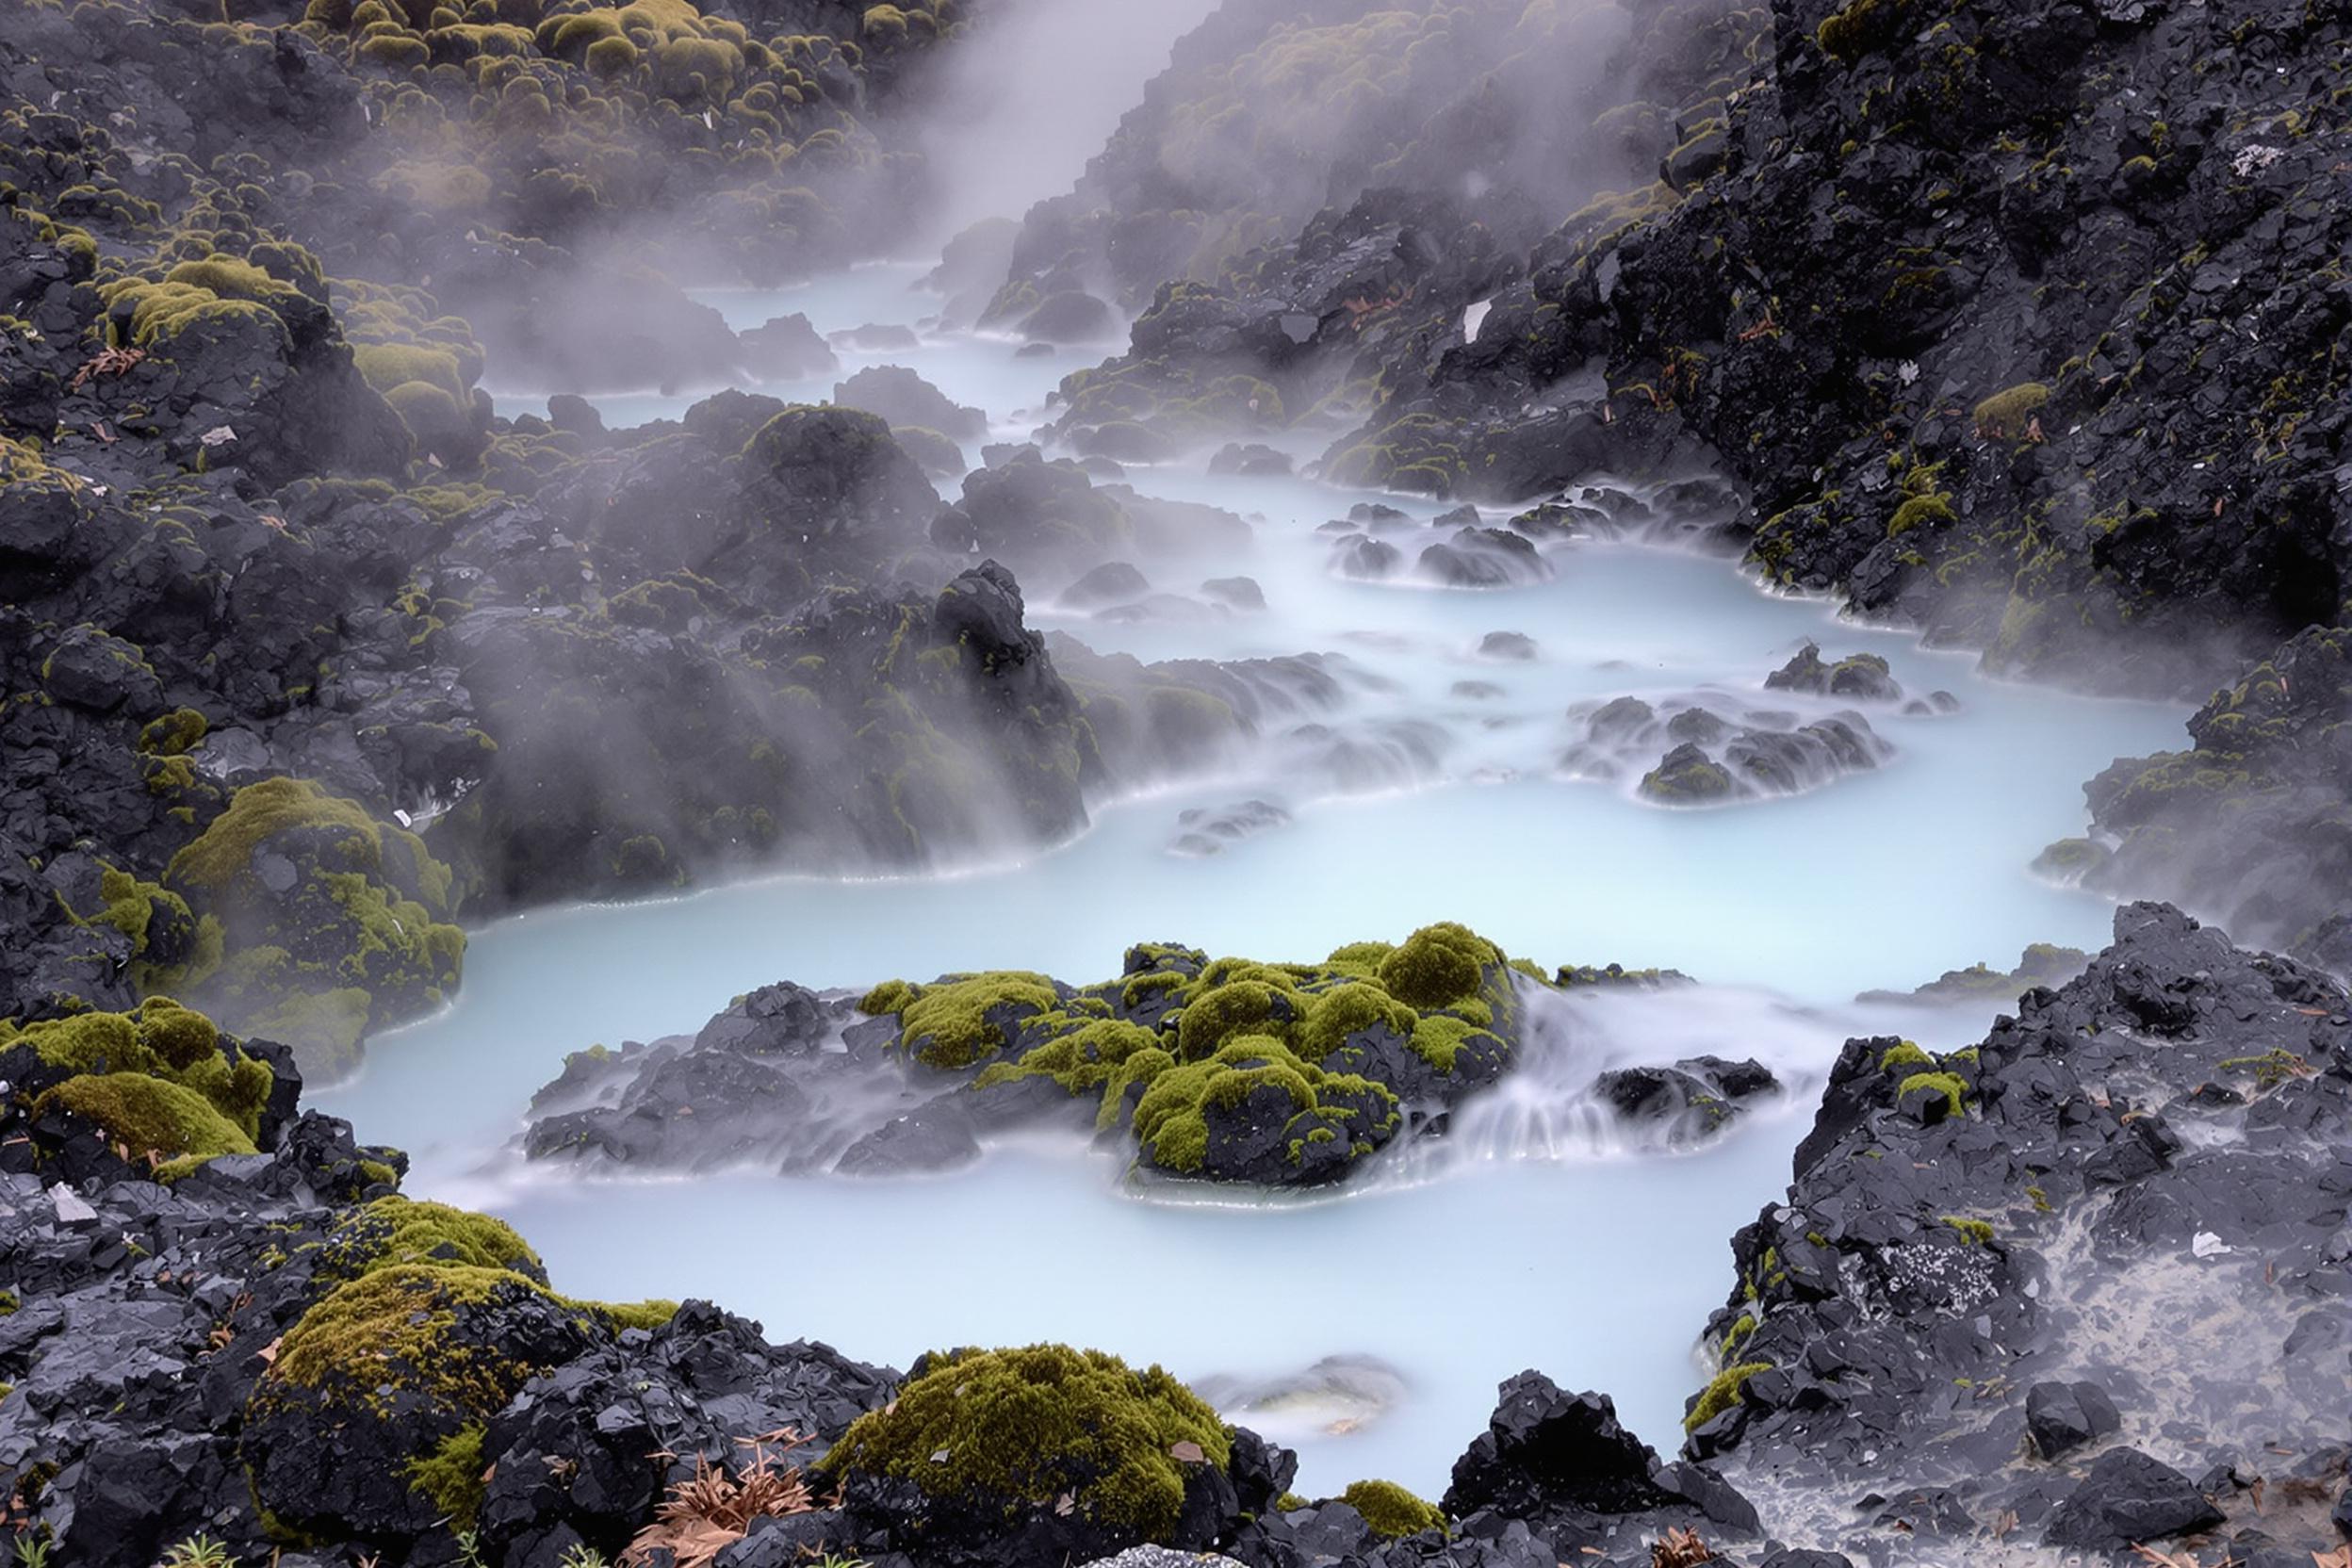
[(1031, 91)]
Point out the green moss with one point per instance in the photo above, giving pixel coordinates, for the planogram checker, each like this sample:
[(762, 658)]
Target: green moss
[(1391, 1511), (2006, 415), (890, 996), (1950, 1084), (132, 907), (388, 1331), (388, 365), (1721, 1393), (1689, 782), (963, 1022), (1437, 1040), (1085, 1060), (159, 1042), (1906, 1055), (1921, 512), (1976, 1233), (255, 812), (648, 1314), (1848, 33), (611, 57), (173, 734), (454, 1475), (1031, 1425), (1350, 1009), (1438, 965), (1171, 1119), (1738, 1334), (1223, 1011), (148, 1116), (392, 1233)]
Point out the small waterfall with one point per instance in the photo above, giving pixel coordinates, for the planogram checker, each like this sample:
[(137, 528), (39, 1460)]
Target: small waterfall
[(1545, 1108), (1554, 1105)]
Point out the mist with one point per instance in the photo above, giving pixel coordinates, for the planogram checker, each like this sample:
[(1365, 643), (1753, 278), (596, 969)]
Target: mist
[(1034, 92)]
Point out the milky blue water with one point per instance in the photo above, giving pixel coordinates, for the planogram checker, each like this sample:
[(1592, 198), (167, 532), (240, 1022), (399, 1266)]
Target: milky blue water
[(1543, 1244)]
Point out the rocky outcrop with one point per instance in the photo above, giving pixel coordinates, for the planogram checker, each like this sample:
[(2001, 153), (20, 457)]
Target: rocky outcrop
[(2254, 822), (1984, 1247), (1227, 1070)]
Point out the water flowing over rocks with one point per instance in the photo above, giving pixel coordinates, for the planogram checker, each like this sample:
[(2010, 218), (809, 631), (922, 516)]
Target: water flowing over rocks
[(1716, 748)]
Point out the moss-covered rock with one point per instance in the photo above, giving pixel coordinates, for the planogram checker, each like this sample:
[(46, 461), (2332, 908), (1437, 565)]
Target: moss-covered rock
[(1391, 1511), (1017, 1445), (351, 1430), (161, 1083), (331, 922)]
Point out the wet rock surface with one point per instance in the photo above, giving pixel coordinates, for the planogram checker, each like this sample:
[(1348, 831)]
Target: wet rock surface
[(2004, 1250)]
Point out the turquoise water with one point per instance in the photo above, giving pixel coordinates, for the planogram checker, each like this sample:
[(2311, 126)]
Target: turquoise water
[(1543, 1242)]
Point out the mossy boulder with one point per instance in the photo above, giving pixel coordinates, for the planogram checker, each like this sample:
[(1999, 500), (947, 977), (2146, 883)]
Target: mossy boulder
[(330, 923), (161, 1084), (1038, 1454), (384, 1376)]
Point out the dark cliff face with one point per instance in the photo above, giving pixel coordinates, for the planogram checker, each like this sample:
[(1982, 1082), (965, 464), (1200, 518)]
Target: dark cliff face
[(2065, 276)]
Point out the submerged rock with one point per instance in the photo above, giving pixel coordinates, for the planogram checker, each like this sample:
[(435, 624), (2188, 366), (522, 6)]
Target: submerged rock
[(1862, 677)]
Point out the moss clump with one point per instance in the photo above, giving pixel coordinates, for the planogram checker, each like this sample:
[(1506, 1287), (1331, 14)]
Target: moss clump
[(1846, 35), (1738, 1334), (132, 907), (1906, 1055), (173, 734), (963, 1022), (1438, 965), (1976, 1233), (1721, 1393), (159, 1042), (392, 1233), (1950, 1084), (1391, 1511), (890, 996), (1218, 1015), (1921, 512), (389, 1332), (1085, 1060), (2008, 415), (386, 365), (1438, 1040), (454, 1475), (1347, 1010), (257, 812), (361, 934), (148, 1116), (611, 57), (1027, 1427), (1688, 777)]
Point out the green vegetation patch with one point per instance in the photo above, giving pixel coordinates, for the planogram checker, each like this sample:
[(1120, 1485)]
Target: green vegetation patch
[(1391, 1511), (1030, 1426)]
